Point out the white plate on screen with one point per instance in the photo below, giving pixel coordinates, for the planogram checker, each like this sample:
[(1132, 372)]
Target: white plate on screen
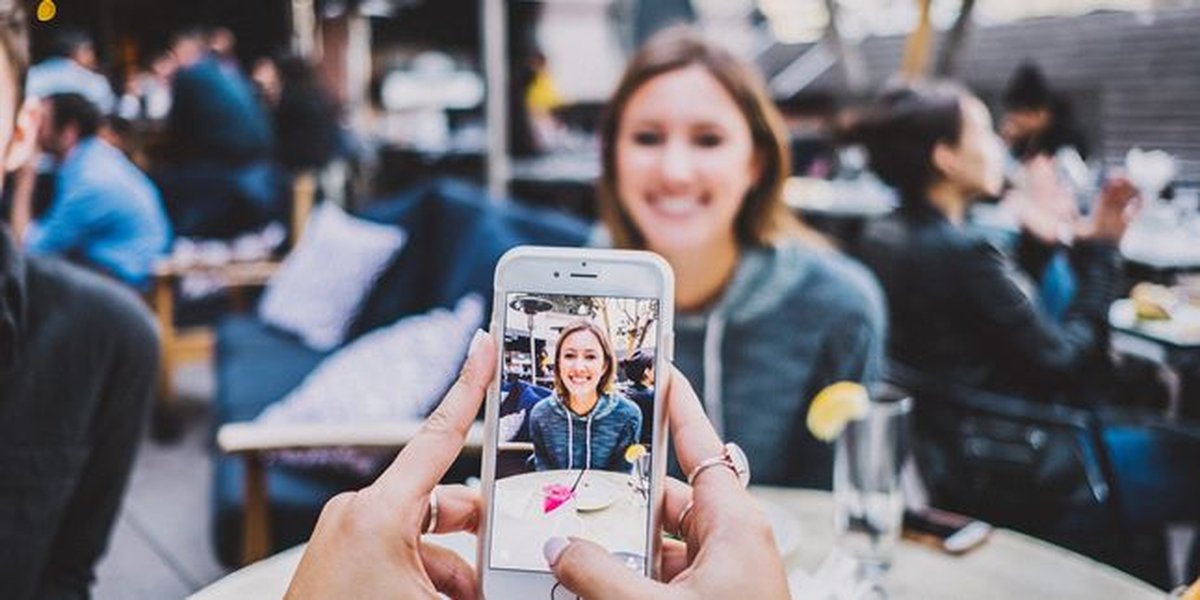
[(596, 493)]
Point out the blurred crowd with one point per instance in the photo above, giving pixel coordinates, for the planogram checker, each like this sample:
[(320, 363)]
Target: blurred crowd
[(192, 146)]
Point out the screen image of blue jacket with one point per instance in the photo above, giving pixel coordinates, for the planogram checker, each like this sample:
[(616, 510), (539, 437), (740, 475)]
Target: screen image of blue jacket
[(565, 440)]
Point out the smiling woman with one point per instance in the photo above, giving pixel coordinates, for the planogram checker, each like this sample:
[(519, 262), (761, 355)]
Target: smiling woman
[(694, 159), (585, 424)]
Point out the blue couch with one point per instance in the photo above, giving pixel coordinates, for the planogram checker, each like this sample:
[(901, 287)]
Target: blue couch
[(455, 237)]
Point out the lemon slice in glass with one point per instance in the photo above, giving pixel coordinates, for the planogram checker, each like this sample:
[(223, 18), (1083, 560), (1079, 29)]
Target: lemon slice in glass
[(1192, 593), (634, 452), (834, 406)]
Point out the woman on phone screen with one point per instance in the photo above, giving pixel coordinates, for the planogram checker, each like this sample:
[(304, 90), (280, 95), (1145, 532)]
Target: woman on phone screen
[(584, 424)]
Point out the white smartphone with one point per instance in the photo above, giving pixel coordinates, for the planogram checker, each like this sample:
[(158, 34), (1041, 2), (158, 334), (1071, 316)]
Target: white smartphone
[(575, 420)]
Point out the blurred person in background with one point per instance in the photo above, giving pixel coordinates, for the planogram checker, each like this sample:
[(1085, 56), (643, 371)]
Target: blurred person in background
[(71, 68), (147, 94), (78, 366), (1048, 175), (768, 313), (267, 83), (961, 311), (1038, 121), (639, 369), (305, 118), (222, 43), (106, 213), (221, 182)]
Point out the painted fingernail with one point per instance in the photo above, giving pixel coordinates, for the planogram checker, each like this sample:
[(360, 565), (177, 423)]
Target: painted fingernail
[(476, 341), (553, 548)]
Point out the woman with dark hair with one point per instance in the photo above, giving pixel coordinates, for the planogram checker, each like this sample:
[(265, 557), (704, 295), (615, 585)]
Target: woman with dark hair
[(584, 424), (961, 312), (694, 159), (1048, 175)]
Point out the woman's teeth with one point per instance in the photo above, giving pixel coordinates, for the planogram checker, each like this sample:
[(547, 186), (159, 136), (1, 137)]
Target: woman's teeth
[(677, 206)]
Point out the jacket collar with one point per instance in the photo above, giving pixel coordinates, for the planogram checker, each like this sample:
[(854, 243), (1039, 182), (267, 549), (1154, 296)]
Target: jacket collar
[(13, 295)]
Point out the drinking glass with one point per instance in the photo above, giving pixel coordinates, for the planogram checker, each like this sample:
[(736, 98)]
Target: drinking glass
[(868, 503)]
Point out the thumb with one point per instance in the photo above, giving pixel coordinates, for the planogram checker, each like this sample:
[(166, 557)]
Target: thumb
[(591, 572)]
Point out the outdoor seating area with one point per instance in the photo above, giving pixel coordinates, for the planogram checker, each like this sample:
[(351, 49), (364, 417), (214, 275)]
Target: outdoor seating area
[(936, 271)]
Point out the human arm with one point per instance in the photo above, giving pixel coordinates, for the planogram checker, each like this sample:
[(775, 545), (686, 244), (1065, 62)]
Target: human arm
[(74, 216), (117, 419), (1016, 331)]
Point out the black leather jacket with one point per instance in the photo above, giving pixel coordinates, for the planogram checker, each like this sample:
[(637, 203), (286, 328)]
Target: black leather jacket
[(964, 313)]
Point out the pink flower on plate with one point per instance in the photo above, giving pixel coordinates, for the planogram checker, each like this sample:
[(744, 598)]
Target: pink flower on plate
[(555, 495)]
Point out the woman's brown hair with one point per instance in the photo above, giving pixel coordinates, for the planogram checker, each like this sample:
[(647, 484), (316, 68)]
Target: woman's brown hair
[(608, 379), (763, 217)]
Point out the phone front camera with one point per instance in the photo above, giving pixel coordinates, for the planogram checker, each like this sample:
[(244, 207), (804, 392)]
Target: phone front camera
[(585, 263), (556, 273)]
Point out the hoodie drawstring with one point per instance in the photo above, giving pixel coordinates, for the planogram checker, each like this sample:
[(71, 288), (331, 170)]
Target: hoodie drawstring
[(588, 450), (714, 334), (571, 440)]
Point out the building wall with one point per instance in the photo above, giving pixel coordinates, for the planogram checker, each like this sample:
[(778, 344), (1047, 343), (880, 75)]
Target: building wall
[(1135, 79)]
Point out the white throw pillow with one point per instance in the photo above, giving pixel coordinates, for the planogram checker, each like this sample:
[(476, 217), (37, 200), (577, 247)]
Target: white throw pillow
[(319, 287), (395, 373)]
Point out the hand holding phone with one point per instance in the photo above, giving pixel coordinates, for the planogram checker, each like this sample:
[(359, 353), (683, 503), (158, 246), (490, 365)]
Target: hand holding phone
[(727, 551), (368, 544)]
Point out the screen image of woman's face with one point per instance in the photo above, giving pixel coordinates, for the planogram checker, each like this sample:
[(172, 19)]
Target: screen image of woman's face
[(580, 362)]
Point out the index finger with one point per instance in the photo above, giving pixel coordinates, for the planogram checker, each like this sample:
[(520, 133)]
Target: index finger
[(695, 438), (431, 451)]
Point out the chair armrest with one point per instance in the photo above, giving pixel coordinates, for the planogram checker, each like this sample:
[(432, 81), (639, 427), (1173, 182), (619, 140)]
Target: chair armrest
[(256, 437)]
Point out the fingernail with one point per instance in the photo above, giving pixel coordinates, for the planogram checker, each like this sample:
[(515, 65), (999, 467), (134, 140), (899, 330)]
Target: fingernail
[(476, 341), (553, 548)]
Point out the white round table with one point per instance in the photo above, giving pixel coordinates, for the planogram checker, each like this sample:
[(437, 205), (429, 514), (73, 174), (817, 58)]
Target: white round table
[(1008, 566)]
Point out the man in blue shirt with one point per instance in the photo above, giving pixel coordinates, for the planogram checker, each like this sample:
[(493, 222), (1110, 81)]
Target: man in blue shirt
[(105, 213)]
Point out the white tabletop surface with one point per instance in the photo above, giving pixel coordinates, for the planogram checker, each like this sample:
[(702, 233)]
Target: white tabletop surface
[(1008, 566), (608, 511)]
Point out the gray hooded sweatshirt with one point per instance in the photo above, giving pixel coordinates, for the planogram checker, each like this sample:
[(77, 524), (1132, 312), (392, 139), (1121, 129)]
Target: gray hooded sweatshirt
[(565, 440), (792, 320)]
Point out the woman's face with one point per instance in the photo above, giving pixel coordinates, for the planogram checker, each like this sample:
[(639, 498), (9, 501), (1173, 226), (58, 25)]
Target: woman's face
[(976, 163), (685, 159), (580, 362)]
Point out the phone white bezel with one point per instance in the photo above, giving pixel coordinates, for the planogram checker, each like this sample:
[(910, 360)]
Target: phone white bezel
[(596, 272)]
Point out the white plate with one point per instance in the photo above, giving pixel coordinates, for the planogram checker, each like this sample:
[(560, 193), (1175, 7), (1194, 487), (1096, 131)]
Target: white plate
[(595, 493)]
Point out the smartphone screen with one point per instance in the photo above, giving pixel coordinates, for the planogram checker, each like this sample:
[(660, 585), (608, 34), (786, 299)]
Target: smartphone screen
[(575, 427)]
